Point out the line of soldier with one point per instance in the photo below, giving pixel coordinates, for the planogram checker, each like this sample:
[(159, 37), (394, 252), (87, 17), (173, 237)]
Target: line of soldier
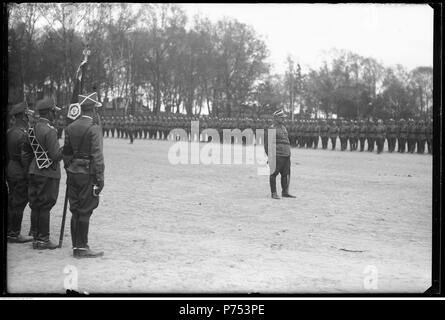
[(408, 135)]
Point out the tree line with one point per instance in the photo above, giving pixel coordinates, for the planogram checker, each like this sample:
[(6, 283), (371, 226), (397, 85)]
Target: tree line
[(155, 58)]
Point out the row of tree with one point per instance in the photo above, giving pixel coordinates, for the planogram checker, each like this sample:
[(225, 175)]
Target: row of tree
[(158, 60)]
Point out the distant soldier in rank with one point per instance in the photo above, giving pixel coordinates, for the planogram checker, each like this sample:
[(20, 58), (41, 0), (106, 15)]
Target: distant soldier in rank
[(343, 134), (391, 135), (371, 135), (411, 136), (402, 136), (324, 134), (316, 134), (421, 137), (333, 133), (380, 135), (362, 135), (429, 136)]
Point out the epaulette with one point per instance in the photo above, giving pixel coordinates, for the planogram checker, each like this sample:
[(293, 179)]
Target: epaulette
[(51, 126)]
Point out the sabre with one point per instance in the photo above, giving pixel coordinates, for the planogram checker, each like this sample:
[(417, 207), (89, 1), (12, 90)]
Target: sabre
[(65, 206)]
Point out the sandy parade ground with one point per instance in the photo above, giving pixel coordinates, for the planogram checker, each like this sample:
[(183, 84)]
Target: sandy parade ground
[(214, 228)]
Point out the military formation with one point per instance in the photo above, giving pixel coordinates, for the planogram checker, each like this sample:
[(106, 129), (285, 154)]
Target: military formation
[(34, 172), (401, 136)]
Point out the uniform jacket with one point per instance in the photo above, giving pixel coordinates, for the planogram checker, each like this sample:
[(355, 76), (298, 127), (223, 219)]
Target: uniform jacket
[(391, 131), (324, 130), (372, 131), (46, 135), (421, 132), (380, 131), (333, 131), (411, 131), (429, 132), (85, 157), (343, 131), (282, 143), (363, 131), (403, 131), (16, 139)]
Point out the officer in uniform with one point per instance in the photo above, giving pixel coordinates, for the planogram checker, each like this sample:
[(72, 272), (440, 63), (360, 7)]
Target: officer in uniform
[(279, 157), (16, 173), (380, 131), (391, 135), (44, 180), (84, 164)]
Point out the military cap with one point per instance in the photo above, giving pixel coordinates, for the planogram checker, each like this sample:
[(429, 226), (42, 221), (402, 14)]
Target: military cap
[(89, 100), (18, 108), (46, 104), (279, 114)]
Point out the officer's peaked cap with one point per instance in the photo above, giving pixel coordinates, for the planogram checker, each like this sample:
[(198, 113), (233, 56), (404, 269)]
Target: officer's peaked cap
[(18, 108), (46, 104), (279, 114)]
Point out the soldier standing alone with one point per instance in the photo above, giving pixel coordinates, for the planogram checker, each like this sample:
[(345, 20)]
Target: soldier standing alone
[(84, 164), (279, 156)]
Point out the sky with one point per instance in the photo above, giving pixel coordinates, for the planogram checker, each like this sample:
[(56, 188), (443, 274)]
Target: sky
[(392, 34)]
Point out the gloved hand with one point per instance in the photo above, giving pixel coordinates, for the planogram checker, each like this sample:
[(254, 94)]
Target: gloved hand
[(100, 186)]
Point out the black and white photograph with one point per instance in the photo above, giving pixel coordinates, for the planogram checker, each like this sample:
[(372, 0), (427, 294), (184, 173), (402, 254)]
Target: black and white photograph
[(219, 148)]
